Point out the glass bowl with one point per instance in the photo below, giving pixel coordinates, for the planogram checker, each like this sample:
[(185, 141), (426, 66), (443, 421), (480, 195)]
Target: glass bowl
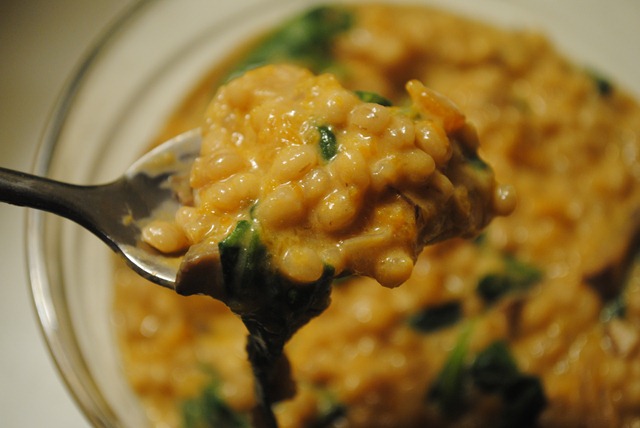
[(128, 85)]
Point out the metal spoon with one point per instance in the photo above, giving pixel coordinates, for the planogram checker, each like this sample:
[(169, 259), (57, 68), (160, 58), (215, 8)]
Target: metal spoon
[(116, 212)]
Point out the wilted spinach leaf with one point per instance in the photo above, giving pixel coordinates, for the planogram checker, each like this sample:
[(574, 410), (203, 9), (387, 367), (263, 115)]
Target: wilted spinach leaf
[(306, 39), (516, 276), (328, 142), (372, 97), (209, 411), (435, 317)]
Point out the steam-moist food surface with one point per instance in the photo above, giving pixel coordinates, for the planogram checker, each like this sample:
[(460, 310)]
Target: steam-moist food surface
[(329, 179), (299, 181), (552, 281)]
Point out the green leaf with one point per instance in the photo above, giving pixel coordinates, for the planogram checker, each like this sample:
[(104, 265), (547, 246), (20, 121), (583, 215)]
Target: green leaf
[(328, 142), (306, 39), (449, 388), (328, 417), (516, 276), (257, 291), (437, 317), (524, 399), (209, 411), (494, 370), (494, 367), (473, 159), (615, 308), (241, 256), (372, 97)]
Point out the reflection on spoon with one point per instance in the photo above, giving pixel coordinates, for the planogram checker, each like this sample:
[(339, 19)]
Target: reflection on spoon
[(118, 211)]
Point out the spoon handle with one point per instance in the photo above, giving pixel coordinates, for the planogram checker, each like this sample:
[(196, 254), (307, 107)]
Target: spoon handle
[(27, 190), (74, 202)]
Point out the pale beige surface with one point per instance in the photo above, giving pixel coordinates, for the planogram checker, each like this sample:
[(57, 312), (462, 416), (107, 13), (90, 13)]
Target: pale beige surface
[(40, 44)]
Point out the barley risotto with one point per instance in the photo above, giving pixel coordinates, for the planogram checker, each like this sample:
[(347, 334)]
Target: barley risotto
[(535, 321), (328, 179), (300, 181)]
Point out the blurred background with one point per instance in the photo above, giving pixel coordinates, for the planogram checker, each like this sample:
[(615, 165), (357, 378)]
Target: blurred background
[(41, 43)]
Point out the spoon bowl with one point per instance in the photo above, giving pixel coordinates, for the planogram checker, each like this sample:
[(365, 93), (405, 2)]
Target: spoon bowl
[(117, 212)]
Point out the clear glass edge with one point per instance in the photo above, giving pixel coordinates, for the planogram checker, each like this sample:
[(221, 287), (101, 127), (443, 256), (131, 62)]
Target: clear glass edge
[(77, 380)]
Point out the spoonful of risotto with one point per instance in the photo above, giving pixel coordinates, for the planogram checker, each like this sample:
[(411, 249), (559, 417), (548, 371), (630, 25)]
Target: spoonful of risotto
[(291, 173), (300, 176)]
